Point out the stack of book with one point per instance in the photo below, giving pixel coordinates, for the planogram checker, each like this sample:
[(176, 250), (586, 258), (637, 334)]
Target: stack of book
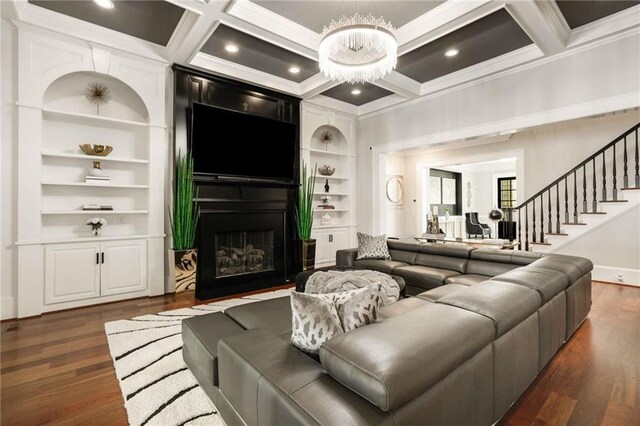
[(98, 180), (97, 207)]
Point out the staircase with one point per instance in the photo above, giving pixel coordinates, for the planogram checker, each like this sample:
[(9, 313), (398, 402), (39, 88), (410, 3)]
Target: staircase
[(602, 187)]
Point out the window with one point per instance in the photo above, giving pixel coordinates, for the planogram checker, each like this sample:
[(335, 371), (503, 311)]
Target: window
[(445, 192), (506, 192)]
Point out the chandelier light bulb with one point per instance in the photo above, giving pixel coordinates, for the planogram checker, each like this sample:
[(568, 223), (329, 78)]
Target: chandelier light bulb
[(358, 49)]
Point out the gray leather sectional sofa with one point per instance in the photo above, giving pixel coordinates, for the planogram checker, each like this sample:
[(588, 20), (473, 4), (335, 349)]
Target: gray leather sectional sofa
[(459, 353)]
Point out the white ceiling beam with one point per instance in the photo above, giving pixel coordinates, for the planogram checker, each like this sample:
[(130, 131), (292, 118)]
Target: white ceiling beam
[(180, 34), (199, 32), (400, 84), (334, 104), (195, 6), (540, 24), (241, 72), (606, 27), (315, 85), (276, 24), (441, 20)]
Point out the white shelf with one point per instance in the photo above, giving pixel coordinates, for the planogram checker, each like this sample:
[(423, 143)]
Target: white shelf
[(93, 157), (92, 212), (59, 240), (333, 225), (337, 194), (318, 177), (323, 152), (62, 113), (95, 185), (330, 210)]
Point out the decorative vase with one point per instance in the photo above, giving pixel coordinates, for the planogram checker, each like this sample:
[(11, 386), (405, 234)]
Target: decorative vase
[(308, 249), (446, 215), (96, 170), (326, 185), (185, 267)]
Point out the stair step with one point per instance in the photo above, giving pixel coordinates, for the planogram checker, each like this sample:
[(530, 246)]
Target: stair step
[(593, 212), (630, 188), (614, 201), (540, 244), (561, 234), (573, 223)]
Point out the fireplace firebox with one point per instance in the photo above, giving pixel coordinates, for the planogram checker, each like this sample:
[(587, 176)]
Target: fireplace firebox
[(244, 252)]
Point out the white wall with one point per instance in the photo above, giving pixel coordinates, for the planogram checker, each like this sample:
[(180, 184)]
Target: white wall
[(394, 166), (577, 84), (8, 160)]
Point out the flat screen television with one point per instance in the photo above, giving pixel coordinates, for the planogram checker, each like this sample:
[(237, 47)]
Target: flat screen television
[(227, 143)]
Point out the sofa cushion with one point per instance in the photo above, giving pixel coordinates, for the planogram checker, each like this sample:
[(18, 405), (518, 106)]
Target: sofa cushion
[(505, 304), (411, 246), (438, 293), (273, 314), (573, 267), (467, 279), (545, 281), (403, 256), (370, 247), (488, 268), (423, 276), (391, 362), (400, 307), (491, 255), (386, 266), (452, 250), (519, 257), (442, 262)]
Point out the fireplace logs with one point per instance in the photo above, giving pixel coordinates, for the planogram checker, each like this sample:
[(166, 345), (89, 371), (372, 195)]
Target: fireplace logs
[(235, 261)]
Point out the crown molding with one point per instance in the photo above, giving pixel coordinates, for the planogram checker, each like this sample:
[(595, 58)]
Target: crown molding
[(327, 102), (315, 85), (195, 6), (386, 102), (400, 84), (605, 27)]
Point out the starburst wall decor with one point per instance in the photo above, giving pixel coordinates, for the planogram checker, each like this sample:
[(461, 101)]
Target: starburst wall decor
[(97, 94)]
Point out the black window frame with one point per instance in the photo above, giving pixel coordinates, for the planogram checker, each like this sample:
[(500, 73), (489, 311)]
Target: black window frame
[(512, 191)]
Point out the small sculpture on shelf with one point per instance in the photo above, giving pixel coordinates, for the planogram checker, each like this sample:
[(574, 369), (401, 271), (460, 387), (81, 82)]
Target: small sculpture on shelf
[(325, 203), (326, 186), (326, 170), (326, 219), (96, 224), (96, 175), (97, 94)]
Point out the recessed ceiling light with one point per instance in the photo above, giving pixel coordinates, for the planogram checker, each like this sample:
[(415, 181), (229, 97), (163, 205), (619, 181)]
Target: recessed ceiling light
[(107, 4), (356, 92), (451, 52), (294, 70), (231, 48)]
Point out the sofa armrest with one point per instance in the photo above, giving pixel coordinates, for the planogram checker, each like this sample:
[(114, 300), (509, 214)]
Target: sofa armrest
[(346, 257)]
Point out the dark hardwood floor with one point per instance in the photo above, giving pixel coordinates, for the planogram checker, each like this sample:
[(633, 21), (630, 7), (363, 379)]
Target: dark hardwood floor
[(57, 369)]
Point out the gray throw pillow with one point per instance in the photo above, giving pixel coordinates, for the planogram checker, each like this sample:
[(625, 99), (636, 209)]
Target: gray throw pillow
[(370, 247), (317, 318)]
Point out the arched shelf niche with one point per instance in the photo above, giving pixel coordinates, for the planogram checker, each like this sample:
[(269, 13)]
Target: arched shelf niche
[(338, 143), (68, 94)]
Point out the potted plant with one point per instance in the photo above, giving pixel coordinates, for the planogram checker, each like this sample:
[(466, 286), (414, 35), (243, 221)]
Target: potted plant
[(304, 218), (183, 257)]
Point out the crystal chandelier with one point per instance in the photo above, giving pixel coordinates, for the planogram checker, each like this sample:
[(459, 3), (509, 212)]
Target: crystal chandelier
[(358, 49)]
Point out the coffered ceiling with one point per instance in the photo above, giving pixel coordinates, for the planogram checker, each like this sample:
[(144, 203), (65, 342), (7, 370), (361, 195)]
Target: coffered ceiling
[(274, 43)]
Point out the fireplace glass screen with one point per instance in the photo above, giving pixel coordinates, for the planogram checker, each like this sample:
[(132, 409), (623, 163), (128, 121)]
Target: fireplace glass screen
[(239, 253)]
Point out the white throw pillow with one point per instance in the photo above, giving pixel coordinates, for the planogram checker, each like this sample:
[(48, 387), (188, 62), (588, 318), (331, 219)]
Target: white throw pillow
[(370, 247)]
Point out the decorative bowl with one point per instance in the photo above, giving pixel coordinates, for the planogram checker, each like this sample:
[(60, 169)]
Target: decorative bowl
[(327, 170), (99, 150)]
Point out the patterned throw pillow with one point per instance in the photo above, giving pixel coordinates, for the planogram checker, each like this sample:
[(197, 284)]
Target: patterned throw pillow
[(370, 247), (317, 318)]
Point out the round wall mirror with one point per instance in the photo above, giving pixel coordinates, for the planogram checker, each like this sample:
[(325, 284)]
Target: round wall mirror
[(395, 189)]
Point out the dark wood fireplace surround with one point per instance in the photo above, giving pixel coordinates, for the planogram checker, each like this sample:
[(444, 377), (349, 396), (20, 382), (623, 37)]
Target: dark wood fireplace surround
[(235, 205)]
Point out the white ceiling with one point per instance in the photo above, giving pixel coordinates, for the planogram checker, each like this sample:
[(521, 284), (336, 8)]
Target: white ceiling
[(295, 26)]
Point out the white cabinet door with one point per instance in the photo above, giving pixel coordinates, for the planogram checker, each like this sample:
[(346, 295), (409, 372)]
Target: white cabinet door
[(72, 272), (124, 268), (323, 247), (340, 240)]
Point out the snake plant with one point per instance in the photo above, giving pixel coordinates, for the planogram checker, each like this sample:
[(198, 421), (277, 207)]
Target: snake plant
[(304, 209), (185, 208)]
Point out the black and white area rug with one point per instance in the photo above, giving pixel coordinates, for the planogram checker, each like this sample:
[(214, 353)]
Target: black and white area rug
[(157, 386)]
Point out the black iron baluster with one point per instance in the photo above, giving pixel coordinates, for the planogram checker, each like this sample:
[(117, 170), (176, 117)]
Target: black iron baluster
[(533, 214), (625, 178), (550, 228), (595, 188), (575, 198), (584, 188), (519, 231), (615, 178), (541, 218), (557, 208), (526, 227), (604, 177), (637, 164), (566, 202)]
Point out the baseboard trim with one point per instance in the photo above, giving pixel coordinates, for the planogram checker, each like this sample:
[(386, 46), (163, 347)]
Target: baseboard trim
[(610, 274), (7, 308)]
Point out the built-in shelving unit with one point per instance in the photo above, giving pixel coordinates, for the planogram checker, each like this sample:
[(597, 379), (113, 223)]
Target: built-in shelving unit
[(93, 157), (339, 153), (53, 113)]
